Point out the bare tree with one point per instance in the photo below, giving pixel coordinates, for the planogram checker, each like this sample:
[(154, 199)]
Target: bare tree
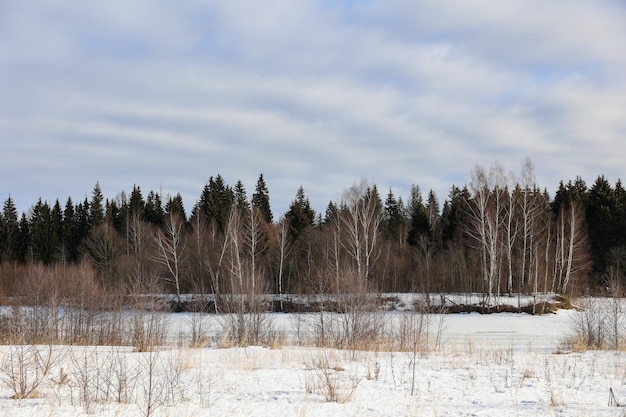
[(333, 243), (247, 324), (198, 253), (255, 241), (215, 265), (284, 248), (171, 243), (139, 247), (103, 248), (571, 257), (362, 220), (510, 233), (236, 272), (485, 214), (529, 207)]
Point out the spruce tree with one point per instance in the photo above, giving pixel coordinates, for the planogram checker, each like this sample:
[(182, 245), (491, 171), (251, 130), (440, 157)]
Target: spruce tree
[(331, 215), (153, 209), (620, 214), (220, 201), (201, 207), (241, 199), (175, 207), (601, 222), (3, 234), (42, 232), (261, 200), (23, 244), (96, 207), (300, 214), (10, 230), (454, 214), (215, 202), (113, 215), (136, 204), (434, 218), (393, 216), (419, 224), (56, 221), (69, 232), (82, 223)]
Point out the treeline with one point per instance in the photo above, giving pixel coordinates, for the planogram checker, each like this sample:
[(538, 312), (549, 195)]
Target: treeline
[(498, 234)]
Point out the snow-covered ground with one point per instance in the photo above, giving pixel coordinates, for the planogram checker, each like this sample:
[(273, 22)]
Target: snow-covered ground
[(486, 365)]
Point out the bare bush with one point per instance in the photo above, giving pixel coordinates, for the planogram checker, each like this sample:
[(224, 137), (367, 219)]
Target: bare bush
[(62, 304), (151, 386), (148, 324), (616, 312), (243, 328), (24, 368), (85, 377), (598, 324), (197, 330), (122, 377), (358, 324), (359, 327)]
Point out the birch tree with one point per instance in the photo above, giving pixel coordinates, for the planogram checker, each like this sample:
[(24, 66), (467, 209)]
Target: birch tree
[(283, 248), (256, 243), (529, 207), (333, 224), (171, 241), (485, 215), (510, 233), (571, 257), (362, 218)]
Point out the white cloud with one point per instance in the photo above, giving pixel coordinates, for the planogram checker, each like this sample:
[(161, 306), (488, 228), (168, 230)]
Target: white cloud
[(167, 94)]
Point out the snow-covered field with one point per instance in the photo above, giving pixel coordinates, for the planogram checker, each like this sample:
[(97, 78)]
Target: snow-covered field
[(486, 365)]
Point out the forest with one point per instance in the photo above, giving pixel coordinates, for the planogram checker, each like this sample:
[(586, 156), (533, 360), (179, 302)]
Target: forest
[(498, 234)]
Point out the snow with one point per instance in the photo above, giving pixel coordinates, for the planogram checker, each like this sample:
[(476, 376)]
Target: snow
[(486, 365)]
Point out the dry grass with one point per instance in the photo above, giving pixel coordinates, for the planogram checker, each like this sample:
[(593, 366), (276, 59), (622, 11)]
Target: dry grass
[(325, 376)]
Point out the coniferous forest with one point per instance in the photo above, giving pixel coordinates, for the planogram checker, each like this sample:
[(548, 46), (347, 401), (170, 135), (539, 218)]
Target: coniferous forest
[(498, 234)]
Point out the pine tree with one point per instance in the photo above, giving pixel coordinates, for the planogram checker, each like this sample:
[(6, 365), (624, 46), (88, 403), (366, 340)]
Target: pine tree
[(261, 200)]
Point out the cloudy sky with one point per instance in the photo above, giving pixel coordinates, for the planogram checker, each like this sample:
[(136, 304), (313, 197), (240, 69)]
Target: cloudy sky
[(165, 94)]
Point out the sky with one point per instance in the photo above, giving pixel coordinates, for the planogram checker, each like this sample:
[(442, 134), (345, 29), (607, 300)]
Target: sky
[(320, 94)]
